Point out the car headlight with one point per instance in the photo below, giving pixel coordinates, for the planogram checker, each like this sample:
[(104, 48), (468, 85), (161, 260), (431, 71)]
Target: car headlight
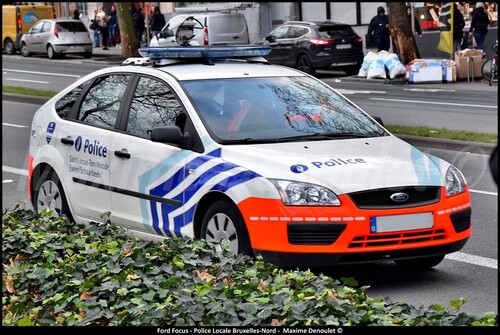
[(303, 194), (455, 181)]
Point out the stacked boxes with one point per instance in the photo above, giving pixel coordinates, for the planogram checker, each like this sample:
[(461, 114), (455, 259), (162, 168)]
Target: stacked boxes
[(469, 63)]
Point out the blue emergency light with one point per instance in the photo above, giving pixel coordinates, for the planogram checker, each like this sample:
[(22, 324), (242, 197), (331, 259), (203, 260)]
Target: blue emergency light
[(207, 52)]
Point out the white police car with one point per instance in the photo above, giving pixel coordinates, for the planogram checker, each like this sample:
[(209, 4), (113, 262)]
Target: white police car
[(216, 143)]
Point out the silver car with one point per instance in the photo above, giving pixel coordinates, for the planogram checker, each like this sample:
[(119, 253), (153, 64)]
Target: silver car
[(57, 37)]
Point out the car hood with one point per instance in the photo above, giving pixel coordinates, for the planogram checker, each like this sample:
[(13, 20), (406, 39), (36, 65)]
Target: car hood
[(344, 166)]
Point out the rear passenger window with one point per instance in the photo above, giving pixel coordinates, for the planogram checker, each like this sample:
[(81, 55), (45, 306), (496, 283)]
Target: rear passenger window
[(101, 104), (65, 104), (153, 105)]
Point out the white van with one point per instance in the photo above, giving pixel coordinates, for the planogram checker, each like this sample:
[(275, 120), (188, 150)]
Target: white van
[(207, 28)]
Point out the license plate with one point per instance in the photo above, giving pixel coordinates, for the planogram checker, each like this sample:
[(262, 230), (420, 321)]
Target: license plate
[(382, 224), (75, 47), (343, 46)]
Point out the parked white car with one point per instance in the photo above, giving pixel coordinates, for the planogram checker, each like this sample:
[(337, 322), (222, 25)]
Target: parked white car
[(57, 37)]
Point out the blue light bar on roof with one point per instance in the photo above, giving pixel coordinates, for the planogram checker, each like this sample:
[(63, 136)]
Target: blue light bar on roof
[(209, 52)]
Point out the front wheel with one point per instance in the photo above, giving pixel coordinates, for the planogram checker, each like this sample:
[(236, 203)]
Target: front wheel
[(224, 224), (25, 51), (304, 64), (486, 69), (420, 263), (49, 195)]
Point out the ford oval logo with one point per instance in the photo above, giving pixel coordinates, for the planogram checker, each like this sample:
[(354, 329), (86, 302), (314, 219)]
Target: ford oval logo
[(399, 197)]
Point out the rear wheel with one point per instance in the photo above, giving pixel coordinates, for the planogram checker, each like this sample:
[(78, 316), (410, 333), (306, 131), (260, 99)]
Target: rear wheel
[(87, 55), (25, 51), (304, 64), (352, 70), (224, 224), (9, 47), (49, 195), (51, 53), (420, 263)]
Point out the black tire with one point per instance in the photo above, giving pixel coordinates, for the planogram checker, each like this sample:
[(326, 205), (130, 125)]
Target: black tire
[(9, 47), (51, 53), (304, 64), (49, 194), (420, 263), (223, 222), (493, 71), (25, 51), (352, 70), (87, 55), (486, 69)]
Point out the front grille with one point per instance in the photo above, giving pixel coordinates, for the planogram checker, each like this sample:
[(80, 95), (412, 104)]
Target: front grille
[(380, 199), (397, 239), (314, 233), (461, 220)]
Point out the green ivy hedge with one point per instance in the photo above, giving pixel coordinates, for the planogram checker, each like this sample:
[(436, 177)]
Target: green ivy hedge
[(60, 273)]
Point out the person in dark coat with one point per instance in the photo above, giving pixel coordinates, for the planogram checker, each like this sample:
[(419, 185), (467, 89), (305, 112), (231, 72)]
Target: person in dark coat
[(76, 14), (479, 25), (138, 22), (458, 27), (379, 30), (418, 29), (157, 21)]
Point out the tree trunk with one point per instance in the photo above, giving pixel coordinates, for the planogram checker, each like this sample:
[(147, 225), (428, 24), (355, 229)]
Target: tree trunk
[(403, 39), (127, 31)]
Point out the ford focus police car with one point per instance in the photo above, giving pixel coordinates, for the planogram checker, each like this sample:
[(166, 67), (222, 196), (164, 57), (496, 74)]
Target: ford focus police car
[(216, 143)]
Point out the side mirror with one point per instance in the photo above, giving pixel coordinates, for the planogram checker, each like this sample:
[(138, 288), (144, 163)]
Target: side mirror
[(270, 38), (379, 120), (167, 134)]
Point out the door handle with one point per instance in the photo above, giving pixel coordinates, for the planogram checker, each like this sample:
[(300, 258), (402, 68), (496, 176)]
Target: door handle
[(67, 140), (122, 153)]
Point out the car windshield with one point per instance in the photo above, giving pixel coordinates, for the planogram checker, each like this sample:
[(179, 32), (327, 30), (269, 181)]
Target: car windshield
[(282, 109)]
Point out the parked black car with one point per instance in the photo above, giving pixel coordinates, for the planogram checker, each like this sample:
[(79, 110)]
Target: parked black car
[(309, 46)]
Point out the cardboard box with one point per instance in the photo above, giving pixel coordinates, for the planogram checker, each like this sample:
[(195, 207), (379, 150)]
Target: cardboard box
[(469, 63), (431, 71)]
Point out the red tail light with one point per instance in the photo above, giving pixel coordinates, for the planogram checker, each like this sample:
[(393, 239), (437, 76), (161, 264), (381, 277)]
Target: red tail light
[(205, 36), (321, 42), (358, 40), (19, 22), (56, 32)]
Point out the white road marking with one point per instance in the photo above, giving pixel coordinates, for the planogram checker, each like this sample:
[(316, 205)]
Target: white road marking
[(14, 170), (435, 103), (29, 81), (433, 90), (14, 125), (346, 91), (484, 192), (42, 73), (472, 259)]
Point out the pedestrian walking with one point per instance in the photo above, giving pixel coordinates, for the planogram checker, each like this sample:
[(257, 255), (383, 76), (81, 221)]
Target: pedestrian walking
[(379, 30), (76, 14), (416, 22), (138, 23), (157, 21), (112, 23), (102, 21), (95, 27), (458, 27), (479, 25)]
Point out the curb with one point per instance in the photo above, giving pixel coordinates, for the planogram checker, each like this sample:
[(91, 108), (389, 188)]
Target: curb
[(417, 141)]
